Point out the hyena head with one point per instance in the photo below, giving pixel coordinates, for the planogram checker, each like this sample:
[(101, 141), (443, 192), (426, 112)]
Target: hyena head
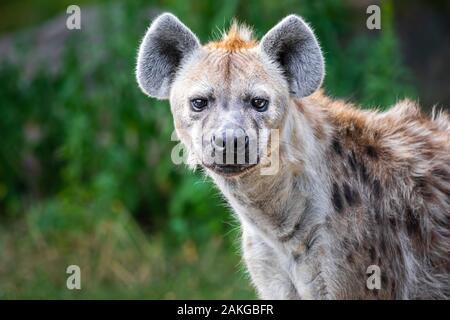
[(228, 96)]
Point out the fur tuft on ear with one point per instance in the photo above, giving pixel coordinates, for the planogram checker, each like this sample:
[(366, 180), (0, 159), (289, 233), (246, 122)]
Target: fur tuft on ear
[(292, 44), (167, 42)]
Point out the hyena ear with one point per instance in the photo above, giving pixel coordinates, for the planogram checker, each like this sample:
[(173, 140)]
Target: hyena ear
[(292, 44), (167, 42)]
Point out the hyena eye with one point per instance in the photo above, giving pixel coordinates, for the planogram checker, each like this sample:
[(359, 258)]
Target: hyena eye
[(199, 104), (259, 104)]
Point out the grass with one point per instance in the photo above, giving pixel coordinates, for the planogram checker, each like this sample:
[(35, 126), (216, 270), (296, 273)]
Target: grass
[(117, 260)]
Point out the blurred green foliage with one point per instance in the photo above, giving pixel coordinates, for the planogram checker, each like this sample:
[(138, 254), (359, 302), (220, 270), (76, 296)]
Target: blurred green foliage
[(85, 170)]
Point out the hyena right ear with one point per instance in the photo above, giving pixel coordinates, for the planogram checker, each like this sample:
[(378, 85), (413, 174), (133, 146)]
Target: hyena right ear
[(292, 44), (167, 42)]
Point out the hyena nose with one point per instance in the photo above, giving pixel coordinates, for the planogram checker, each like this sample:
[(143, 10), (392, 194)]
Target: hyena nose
[(232, 140)]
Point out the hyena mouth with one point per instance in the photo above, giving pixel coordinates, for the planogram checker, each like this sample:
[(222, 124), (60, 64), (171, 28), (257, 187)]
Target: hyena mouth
[(230, 170)]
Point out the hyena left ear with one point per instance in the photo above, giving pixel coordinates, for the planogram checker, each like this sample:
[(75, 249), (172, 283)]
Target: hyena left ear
[(165, 45), (292, 44)]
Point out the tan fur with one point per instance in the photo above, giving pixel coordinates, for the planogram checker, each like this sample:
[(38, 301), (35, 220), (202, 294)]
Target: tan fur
[(237, 38)]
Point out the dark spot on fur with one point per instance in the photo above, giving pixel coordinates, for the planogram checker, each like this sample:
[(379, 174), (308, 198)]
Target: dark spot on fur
[(393, 289), (350, 258), (423, 188), (337, 199), (352, 161), (363, 173), (393, 223), (377, 189), (373, 254), (383, 244), (420, 182), (372, 152), (440, 173), (384, 279), (337, 146), (412, 223), (377, 216), (351, 195)]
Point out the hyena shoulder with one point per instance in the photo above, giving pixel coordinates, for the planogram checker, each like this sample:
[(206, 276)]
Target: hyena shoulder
[(401, 135), (401, 150), (390, 192)]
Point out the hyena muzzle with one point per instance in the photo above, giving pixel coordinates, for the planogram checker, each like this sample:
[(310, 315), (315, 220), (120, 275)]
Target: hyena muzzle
[(334, 202)]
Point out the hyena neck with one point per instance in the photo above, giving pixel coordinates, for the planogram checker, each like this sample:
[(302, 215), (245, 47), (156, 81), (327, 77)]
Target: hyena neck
[(291, 200)]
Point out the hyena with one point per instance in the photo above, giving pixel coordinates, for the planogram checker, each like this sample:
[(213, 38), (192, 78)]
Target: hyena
[(352, 188)]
